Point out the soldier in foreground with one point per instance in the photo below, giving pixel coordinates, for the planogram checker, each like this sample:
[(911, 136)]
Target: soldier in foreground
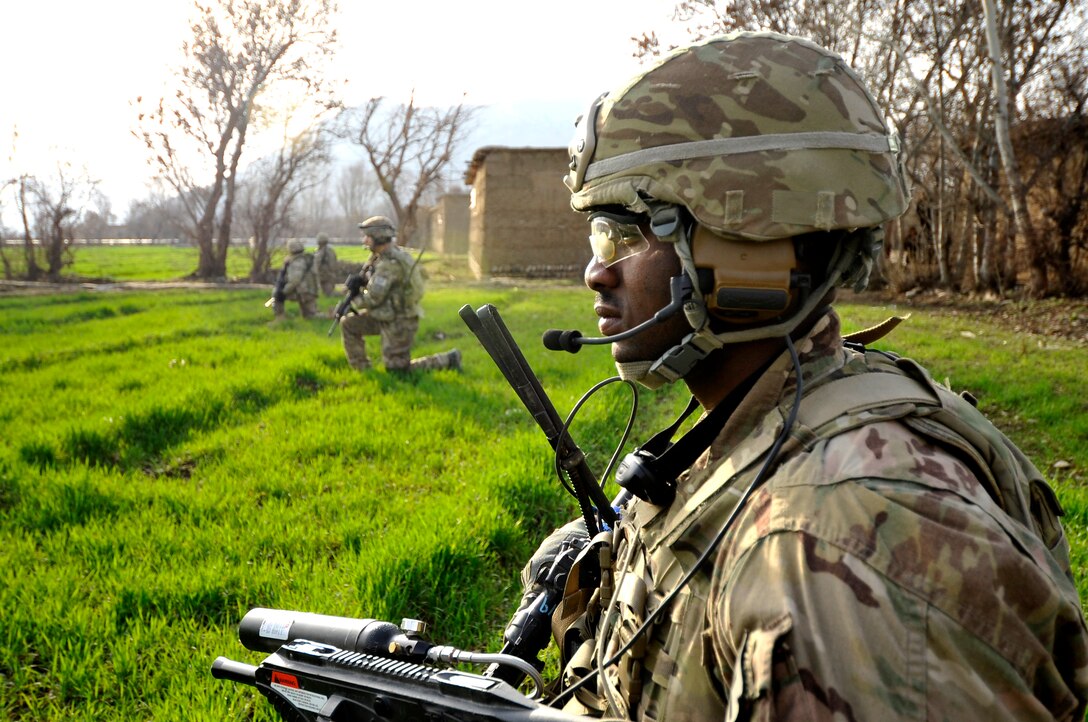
[(386, 296), (297, 282), (327, 267), (839, 537)]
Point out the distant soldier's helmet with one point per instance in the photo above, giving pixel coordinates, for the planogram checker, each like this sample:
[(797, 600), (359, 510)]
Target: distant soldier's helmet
[(322, 239), (757, 138), (295, 246), (380, 228)]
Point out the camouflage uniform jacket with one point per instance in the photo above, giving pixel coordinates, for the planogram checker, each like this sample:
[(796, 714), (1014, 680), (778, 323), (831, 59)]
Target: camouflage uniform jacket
[(387, 295), (870, 577), (325, 262), (301, 276)]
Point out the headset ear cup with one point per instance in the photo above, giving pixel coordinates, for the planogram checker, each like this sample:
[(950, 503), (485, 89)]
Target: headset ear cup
[(744, 282)]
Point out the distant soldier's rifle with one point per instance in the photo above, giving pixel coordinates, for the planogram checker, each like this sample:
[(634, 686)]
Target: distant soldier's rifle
[(354, 288), (277, 290)]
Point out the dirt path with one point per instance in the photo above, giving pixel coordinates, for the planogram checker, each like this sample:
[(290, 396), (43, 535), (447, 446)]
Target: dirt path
[(1059, 318)]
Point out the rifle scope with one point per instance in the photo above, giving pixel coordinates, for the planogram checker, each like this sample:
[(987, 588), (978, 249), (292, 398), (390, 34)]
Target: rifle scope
[(266, 630)]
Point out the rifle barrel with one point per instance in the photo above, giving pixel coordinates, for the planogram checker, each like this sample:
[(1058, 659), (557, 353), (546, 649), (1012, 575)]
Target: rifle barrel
[(223, 668)]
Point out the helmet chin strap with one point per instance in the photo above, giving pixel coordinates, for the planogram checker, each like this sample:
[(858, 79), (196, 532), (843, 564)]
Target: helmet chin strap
[(679, 360), (640, 371)]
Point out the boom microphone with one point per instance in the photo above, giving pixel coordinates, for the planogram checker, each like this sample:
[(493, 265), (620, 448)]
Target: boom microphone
[(572, 340)]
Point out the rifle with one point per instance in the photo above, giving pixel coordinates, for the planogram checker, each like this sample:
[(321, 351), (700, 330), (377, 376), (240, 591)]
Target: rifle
[(352, 291), (277, 290), (326, 669)]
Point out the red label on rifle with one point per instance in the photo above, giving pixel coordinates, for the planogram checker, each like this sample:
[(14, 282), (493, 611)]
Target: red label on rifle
[(287, 680)]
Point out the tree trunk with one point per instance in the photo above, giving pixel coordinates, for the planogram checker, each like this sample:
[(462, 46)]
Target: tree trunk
[(55, 249), (1025, 232), (942, 252), (33, 270)]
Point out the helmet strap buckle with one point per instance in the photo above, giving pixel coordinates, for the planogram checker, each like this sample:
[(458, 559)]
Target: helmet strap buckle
[(679, 360), (664, 222)]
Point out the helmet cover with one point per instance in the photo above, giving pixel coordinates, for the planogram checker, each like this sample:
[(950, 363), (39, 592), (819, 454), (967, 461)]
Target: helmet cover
[(758, 135), (379, 228)]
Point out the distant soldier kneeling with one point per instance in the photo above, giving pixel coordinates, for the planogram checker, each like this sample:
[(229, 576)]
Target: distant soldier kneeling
[(386, 298), (297, 282)]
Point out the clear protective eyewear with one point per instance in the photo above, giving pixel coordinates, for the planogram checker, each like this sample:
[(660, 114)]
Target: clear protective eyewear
[(615, 237)]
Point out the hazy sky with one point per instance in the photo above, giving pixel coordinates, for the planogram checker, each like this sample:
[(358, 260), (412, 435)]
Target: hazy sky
[(71, 69)]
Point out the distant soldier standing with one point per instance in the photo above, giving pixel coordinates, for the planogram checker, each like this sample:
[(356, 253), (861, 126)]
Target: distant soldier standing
[(325, 262), (300, 282), (387, 300)]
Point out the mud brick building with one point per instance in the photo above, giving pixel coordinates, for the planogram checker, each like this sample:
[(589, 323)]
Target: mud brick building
[(520, 219), (449, 224)]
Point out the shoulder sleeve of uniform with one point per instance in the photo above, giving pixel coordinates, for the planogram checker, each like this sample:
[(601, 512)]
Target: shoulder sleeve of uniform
[(385, 277), (890, 599)]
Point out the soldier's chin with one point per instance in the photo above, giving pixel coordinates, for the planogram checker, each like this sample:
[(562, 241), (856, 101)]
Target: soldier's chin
[(623, 352)]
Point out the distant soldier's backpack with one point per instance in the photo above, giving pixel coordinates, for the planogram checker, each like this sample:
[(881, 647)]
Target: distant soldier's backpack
[(415, 285)]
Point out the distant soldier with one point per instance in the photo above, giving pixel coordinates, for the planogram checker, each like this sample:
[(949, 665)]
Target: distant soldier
[(387, 297), (325, 262), (299, 282)]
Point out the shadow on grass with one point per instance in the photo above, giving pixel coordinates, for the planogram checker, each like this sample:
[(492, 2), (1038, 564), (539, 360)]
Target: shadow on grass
[(70, 503), (208, 607), (140, 441)]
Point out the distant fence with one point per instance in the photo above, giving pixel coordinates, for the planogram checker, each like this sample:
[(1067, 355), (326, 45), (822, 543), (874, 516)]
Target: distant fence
[(240, 242), (113, 242)]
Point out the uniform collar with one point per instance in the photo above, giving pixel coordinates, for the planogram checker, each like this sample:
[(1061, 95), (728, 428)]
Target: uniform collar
[(821, 353)]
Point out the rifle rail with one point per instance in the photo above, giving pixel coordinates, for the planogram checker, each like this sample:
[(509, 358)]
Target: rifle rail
[(313, 682)]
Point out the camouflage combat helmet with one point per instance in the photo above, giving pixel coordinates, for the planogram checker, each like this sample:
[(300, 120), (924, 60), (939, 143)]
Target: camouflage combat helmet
[(380, 228), (757, 138), (322, 239), (758, 135), (295, 246)]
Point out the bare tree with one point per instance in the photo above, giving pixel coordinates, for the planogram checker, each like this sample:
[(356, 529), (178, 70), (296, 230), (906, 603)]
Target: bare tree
[(1054, 150), (49, 211), (21, 184), (939, 73), (1024, 226), (239, 50), (315, 209), (273, 186), (159, 216), (9, 271), (97, 218), (23, 201), (357, 190), (408, 148)]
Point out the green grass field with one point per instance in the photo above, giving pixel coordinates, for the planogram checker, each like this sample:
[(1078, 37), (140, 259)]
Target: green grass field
[(172, 459), (170, 263)]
